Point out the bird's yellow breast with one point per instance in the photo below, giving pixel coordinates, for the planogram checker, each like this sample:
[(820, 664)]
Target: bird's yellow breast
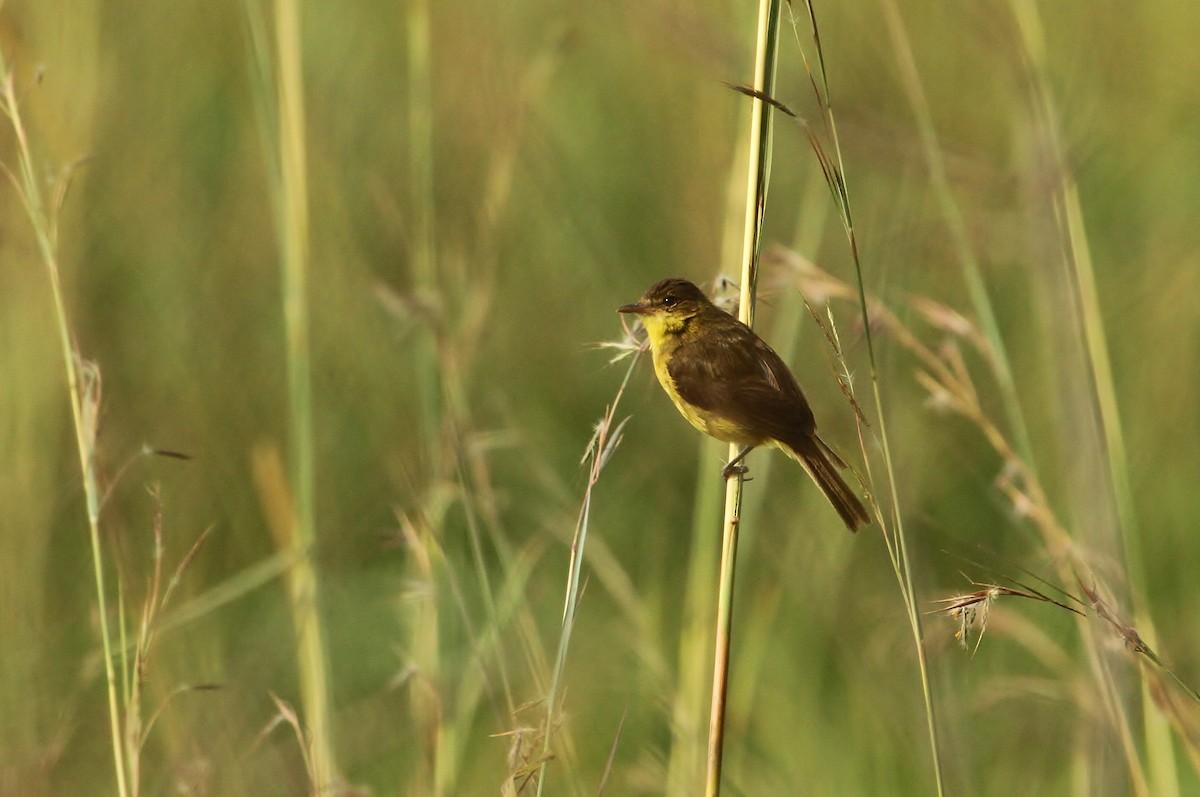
[(662, 346)]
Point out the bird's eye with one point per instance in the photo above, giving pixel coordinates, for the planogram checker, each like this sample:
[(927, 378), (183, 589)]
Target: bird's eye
[(669, 301)]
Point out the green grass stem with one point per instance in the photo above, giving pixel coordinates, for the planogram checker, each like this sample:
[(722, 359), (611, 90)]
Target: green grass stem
[(83, 390), (897, 542), (956, 226), (600, 449), (1077, 263), (280, 96)]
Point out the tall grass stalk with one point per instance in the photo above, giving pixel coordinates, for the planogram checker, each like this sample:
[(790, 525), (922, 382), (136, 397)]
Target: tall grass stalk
[(761, 117), (688, 726), (83, 386), (956, 226), (688, 745), (280, 96), (423, 248), (436, 398), (1077, 264), (789, 311), (294, 232), (689, 718), (897, 542)]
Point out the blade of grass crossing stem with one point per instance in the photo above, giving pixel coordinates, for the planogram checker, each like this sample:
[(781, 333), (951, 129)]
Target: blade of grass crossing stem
[(756, 197)]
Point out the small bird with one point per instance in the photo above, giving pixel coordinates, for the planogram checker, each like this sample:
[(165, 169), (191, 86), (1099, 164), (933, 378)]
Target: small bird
[(731, 385)]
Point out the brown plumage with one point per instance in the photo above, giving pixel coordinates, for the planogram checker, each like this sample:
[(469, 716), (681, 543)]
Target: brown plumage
[(731, 385)]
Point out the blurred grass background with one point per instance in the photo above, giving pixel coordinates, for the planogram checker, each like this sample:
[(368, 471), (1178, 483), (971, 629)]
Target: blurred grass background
[(476, 216)]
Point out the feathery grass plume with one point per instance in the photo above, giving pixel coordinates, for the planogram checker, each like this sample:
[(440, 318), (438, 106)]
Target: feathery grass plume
[(946, 376), (949, 383), (947, 379), (951, 388), (137, 729), (971, 610)]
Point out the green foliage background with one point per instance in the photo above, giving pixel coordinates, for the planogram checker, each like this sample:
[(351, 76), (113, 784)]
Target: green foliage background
[(578, 153)]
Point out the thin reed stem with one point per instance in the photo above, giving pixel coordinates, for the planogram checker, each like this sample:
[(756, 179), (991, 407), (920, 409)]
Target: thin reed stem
[(294, 231), (897, 541), (603, 443), (758, 177), (83, 389), (280, 98)]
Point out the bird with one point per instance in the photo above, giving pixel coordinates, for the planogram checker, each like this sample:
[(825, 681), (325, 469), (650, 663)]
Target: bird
[(728, 383)]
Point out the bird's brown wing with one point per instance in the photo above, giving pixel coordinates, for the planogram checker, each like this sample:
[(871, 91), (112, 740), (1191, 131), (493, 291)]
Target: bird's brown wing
[(731, 372)]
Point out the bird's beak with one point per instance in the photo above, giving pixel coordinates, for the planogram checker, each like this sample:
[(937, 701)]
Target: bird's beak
[(638, 308)]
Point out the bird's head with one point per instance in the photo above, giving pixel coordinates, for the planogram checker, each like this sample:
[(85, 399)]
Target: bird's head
[(667, 307)]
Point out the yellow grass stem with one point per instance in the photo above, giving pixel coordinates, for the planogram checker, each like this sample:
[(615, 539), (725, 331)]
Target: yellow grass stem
[(758, 176), (280, 94), (692, 690)]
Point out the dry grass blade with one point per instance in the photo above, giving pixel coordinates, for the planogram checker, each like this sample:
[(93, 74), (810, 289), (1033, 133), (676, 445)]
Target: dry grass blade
[(750, 91), (612, 755), (288, 714), (1133, 640)]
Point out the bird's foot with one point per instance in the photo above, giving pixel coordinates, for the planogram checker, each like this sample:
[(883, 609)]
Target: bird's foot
[(734, 469)]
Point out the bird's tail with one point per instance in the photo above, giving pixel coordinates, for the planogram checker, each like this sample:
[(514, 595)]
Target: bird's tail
[(822, 465)]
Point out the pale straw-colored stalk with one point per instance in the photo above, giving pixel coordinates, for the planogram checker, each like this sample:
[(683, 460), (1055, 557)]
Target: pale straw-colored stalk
[(756, 197)]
